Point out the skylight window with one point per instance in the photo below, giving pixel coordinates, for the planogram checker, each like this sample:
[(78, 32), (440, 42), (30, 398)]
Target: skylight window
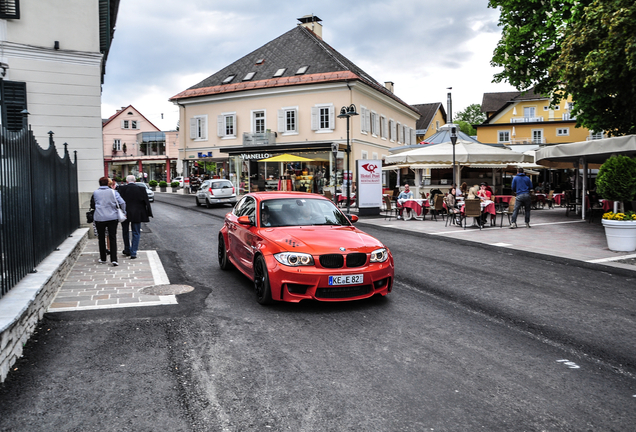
[(249, 76), (280, 72), (260, 61), (302, 70), (228, 79)]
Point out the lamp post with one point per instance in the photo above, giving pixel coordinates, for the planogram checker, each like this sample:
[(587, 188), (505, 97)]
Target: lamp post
[(347, 112), (453, 138)]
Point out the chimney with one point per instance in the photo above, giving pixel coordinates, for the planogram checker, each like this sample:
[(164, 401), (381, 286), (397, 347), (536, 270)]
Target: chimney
[(389, 86), (312, 23)]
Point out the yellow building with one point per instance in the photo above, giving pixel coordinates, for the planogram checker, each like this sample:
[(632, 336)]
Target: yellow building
[(432, 117), (515, 118), (286, 97)]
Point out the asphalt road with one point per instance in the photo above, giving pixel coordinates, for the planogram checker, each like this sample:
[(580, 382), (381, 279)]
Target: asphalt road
[(472, 338)]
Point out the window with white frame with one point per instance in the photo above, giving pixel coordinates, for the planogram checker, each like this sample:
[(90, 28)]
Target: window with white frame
[(365, 154), (413, 136), (375, 124), (288, 120), (384, 127), (503, 136), (563, 131), (323, 118), (125, 124), (117, 144), (226, 125), (392, 130), (258, 121), (133, 124), (537, 136), (199, 127), (374, 155), (365, 120)]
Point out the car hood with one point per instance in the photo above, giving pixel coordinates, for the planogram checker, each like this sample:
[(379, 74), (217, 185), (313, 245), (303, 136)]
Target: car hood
[(319, 240)]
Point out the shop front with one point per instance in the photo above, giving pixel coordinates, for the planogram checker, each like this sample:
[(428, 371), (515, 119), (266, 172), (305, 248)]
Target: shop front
[(147, 169), (313, 168)]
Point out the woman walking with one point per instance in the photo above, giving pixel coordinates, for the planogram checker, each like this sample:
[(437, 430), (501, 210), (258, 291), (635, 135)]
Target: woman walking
[(105, 201)]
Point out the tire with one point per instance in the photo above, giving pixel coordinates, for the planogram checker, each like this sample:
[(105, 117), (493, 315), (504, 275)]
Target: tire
[(207, 204), (261, 282), (196, 199), (224, 261)]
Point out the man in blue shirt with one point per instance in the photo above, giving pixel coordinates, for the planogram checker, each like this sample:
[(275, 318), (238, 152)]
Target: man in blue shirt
[(405, 194), (521, 185)]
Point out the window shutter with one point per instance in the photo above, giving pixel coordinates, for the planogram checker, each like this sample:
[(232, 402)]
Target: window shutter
[(413, 136), (10, 9), (392, 123), (122, 124), (204, 127), (220, 126), (281, 121), (376, 126), (315, 113), (367, 120), (14, 100), (363, 110), (332, 118), (401, 133), (385, 126), (235, 122), (193, 128)]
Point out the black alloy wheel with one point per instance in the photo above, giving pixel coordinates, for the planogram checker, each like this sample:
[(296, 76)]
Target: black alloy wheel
[(261, 282), (224, 261)]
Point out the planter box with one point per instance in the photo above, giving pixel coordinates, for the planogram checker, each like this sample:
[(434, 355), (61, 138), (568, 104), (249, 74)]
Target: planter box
[(162, 189), (621, 235), (174, 189), (153, 188)]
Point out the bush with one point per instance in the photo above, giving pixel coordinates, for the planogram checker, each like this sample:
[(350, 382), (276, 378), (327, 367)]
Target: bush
[(163, 184), (152, 183), (616, 179), (174, 184)]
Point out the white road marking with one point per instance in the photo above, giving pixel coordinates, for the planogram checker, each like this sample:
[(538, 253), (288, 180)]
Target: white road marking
[(622, 257)]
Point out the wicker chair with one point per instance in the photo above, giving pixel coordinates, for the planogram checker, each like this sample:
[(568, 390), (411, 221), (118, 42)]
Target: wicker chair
[(472, 209), (389, 210), (507, 211), (438, 207)]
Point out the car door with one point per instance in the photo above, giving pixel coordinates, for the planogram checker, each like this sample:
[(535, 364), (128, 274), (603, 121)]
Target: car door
[(222, 189), (202, 191), (244, 235)]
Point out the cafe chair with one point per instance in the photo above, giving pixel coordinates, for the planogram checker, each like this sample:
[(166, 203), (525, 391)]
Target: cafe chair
[(328, 195), (438, 207), (389, 210), (472, 209), (453, 217), (549, 199), (595, 211), (507, 211)]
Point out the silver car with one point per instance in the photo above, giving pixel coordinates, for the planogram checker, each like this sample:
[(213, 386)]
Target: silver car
[(215, 191), (151, 193)]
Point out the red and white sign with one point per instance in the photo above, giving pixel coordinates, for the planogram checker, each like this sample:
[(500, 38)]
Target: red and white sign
[(369, 174)]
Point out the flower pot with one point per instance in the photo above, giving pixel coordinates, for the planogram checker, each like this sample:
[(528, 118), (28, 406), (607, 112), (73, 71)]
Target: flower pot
[(175, 189), (153, 188), (162, 188), (621, 235)]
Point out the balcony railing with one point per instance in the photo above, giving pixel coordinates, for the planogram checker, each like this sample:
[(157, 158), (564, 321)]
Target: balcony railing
[(568, 116), (526, 119), (259, 139), (595, 136), (527, 141)]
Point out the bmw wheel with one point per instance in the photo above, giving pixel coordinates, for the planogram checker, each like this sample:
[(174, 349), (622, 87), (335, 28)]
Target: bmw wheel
[(224, 262), (261, 282)]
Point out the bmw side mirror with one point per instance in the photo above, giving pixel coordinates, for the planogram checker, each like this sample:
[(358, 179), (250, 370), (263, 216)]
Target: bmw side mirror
[(353, 218), (244, 220)]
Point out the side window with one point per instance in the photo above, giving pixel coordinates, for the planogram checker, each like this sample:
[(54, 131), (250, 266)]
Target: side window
[(239, 206)]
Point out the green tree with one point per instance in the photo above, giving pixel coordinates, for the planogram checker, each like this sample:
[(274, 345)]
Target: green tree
[(582, 48), (466, 127), (471, 114)]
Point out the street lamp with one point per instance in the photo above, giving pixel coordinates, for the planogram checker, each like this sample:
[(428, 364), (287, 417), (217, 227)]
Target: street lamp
[(453, 138), (347, 112)]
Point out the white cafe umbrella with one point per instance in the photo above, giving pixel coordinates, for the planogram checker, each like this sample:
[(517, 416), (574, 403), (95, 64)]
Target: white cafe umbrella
[(466, 152)]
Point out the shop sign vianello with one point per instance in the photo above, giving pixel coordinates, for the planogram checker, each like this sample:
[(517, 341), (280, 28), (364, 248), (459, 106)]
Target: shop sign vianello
[(257, 156), (369, 182)]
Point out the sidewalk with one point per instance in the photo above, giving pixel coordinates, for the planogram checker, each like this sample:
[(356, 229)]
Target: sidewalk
[(551, 233), (91, 285)]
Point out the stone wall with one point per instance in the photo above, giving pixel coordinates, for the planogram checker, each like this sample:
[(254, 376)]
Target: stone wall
[(25, 304)]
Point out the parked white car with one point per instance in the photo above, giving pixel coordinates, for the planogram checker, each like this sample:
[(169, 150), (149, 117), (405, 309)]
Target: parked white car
[(151, 194), (215, 191), (178, 179)]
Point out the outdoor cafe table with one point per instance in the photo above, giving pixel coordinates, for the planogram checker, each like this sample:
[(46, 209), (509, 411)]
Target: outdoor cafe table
[(419, 206), (558, 197), (342, 198), (502, 198)]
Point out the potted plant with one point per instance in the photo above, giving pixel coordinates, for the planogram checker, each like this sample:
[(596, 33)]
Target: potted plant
[(163, 185), (616, 180), (153, 184), (175, 186)]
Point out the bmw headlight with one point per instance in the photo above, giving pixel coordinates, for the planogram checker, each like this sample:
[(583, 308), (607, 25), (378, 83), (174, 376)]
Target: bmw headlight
[(294, 259), (379, 255)]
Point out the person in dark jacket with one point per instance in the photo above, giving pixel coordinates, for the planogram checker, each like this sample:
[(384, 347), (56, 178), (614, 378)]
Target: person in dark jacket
[(138, 210), (521, 186)]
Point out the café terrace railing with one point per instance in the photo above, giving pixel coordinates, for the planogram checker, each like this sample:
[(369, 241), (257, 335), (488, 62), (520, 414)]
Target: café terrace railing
[(39, 206)]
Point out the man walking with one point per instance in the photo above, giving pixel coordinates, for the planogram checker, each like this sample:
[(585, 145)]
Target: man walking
[(138, 210), (521, 186)]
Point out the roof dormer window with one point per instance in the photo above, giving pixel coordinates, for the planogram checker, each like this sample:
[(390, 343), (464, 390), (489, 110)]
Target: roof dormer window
[(279, 72), (249, 76), (228, 79), (301, 70), (260, 61)]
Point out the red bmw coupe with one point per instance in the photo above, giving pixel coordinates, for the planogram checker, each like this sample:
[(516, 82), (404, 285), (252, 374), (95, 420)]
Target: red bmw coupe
[(298, 246)]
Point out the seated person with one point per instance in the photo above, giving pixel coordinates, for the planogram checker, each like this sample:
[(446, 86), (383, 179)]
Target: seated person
[(406, 194), (265, 222), (450, 200), (488, 188), (484, 193), (472, 193), (307, 216)]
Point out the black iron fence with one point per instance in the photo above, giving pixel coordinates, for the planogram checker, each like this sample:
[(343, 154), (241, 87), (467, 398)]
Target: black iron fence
[(39, 206)]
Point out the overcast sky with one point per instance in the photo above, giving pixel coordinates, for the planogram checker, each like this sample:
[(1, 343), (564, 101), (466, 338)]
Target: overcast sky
[(162, 47)]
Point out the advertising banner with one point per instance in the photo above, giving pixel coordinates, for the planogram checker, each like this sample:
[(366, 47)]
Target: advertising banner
[(369, 182)]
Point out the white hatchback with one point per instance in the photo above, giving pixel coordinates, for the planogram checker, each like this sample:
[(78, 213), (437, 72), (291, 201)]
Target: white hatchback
[(215, 191)]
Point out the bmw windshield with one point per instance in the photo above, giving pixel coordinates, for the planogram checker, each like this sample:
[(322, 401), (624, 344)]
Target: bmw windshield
[(300, 211)]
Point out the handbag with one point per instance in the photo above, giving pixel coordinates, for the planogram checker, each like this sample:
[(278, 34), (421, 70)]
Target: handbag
[(89, 216), (121, 215)]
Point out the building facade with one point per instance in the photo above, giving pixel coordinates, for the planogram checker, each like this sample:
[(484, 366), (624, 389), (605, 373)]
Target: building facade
[(432, 118), (52, 63), (285, 98), (516, 118), (133, 145)]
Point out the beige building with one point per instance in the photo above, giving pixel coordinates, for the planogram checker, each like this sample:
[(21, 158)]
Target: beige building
[(285, 98), (133, 145)]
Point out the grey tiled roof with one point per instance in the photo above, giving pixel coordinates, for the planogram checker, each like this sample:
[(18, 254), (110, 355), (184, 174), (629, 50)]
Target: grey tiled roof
[(293, 49), (495, 102), (427, 113)]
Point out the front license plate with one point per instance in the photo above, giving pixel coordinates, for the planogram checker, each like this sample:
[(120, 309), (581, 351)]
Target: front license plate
[(346, 280)]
